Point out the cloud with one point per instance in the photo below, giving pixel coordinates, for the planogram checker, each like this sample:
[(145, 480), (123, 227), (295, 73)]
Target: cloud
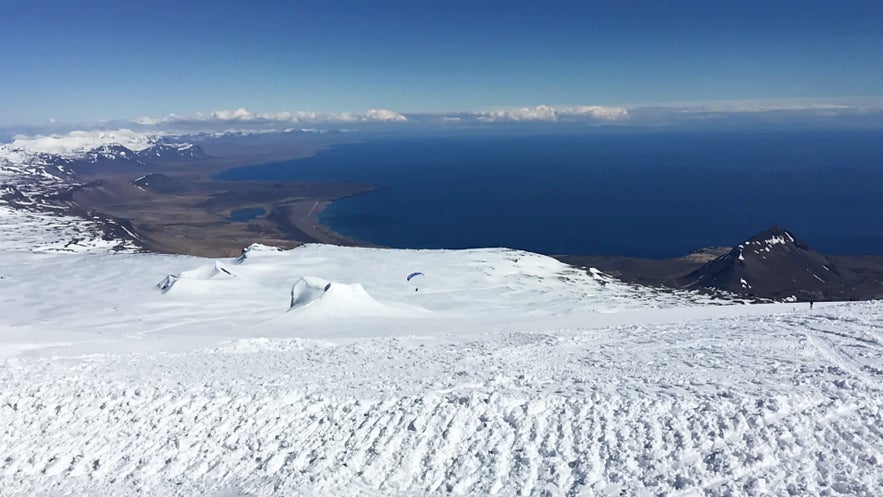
[(796, 112), (239, 114), (591, 113), (384, 115), (861, 112), (554, 113), (242, 115)]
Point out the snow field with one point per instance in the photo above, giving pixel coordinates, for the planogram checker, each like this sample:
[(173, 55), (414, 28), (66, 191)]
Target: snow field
[(695, 408), (507, 373)]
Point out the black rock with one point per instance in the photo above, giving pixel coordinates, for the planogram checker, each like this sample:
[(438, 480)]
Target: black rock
[(158, 183)]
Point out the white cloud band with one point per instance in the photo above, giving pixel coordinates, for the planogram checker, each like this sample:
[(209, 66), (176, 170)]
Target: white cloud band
[(246, 116), (554, 113)]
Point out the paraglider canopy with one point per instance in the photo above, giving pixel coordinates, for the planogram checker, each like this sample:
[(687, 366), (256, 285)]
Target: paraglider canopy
[(411, 277)]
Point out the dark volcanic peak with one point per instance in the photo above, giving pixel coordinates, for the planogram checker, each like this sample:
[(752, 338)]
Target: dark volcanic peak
[(772, 264), (158, 183), (773, 236)]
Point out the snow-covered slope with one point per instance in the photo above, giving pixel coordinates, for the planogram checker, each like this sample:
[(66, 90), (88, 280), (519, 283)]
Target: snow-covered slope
[(35, 170), (505, 373)]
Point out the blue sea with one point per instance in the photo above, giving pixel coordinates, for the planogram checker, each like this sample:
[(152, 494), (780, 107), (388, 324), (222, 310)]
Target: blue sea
[(634, 193)]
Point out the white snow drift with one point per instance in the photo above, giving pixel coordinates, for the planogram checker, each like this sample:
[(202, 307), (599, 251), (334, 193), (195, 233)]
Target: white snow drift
[(320, 371)]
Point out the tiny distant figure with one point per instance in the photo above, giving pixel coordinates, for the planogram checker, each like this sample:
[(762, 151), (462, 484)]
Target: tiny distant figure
[(810, 304), (411, 278)]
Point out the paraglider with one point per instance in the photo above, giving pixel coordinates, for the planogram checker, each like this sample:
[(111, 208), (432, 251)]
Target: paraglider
[(411, 279)]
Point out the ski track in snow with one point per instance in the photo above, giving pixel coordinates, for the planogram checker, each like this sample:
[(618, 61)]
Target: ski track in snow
[(694, 408), (507, 373)]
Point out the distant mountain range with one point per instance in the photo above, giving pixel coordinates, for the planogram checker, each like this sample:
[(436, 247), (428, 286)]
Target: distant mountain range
[(159, 151), (31, 170), (39, 174)]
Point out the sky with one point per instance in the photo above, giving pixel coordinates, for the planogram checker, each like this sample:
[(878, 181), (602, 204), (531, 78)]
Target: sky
[(80, 61)]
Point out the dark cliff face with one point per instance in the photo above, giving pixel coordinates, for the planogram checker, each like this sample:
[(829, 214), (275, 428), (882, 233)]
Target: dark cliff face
[(772, 264)]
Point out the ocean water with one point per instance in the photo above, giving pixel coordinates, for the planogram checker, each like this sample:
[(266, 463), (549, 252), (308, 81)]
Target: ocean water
[(635, 193)]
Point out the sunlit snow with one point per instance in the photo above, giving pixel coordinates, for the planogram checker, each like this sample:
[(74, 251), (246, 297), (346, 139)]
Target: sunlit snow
[(321, 371)]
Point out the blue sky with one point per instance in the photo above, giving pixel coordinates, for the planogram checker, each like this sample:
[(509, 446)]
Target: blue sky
[(91, 60)]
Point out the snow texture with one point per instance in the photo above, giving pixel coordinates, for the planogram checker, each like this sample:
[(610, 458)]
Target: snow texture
[(508, 373), (42, 231)]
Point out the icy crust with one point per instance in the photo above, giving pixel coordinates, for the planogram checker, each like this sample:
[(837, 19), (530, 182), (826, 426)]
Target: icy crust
[(783, 404)]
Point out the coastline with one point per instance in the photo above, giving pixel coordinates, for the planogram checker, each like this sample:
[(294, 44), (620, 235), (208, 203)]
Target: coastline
[(186, 211), (292, 219), (191, 217), (304, 217)]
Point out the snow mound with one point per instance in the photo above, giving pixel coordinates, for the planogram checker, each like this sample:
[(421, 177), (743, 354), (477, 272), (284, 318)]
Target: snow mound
[(217, 271), (307, 291), (321, 299), (256, 250), (167, 283)]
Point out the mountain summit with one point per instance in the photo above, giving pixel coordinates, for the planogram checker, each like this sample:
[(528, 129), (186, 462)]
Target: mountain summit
[(772, 264)]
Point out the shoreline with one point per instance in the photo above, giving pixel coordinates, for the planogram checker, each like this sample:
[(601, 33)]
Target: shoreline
[(304, 217), (187, 211), (198, 224)]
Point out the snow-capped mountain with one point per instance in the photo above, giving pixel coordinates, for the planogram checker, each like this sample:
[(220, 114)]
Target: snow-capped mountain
[(772, 264), (169, 151), (56, 156), (34, 171)]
